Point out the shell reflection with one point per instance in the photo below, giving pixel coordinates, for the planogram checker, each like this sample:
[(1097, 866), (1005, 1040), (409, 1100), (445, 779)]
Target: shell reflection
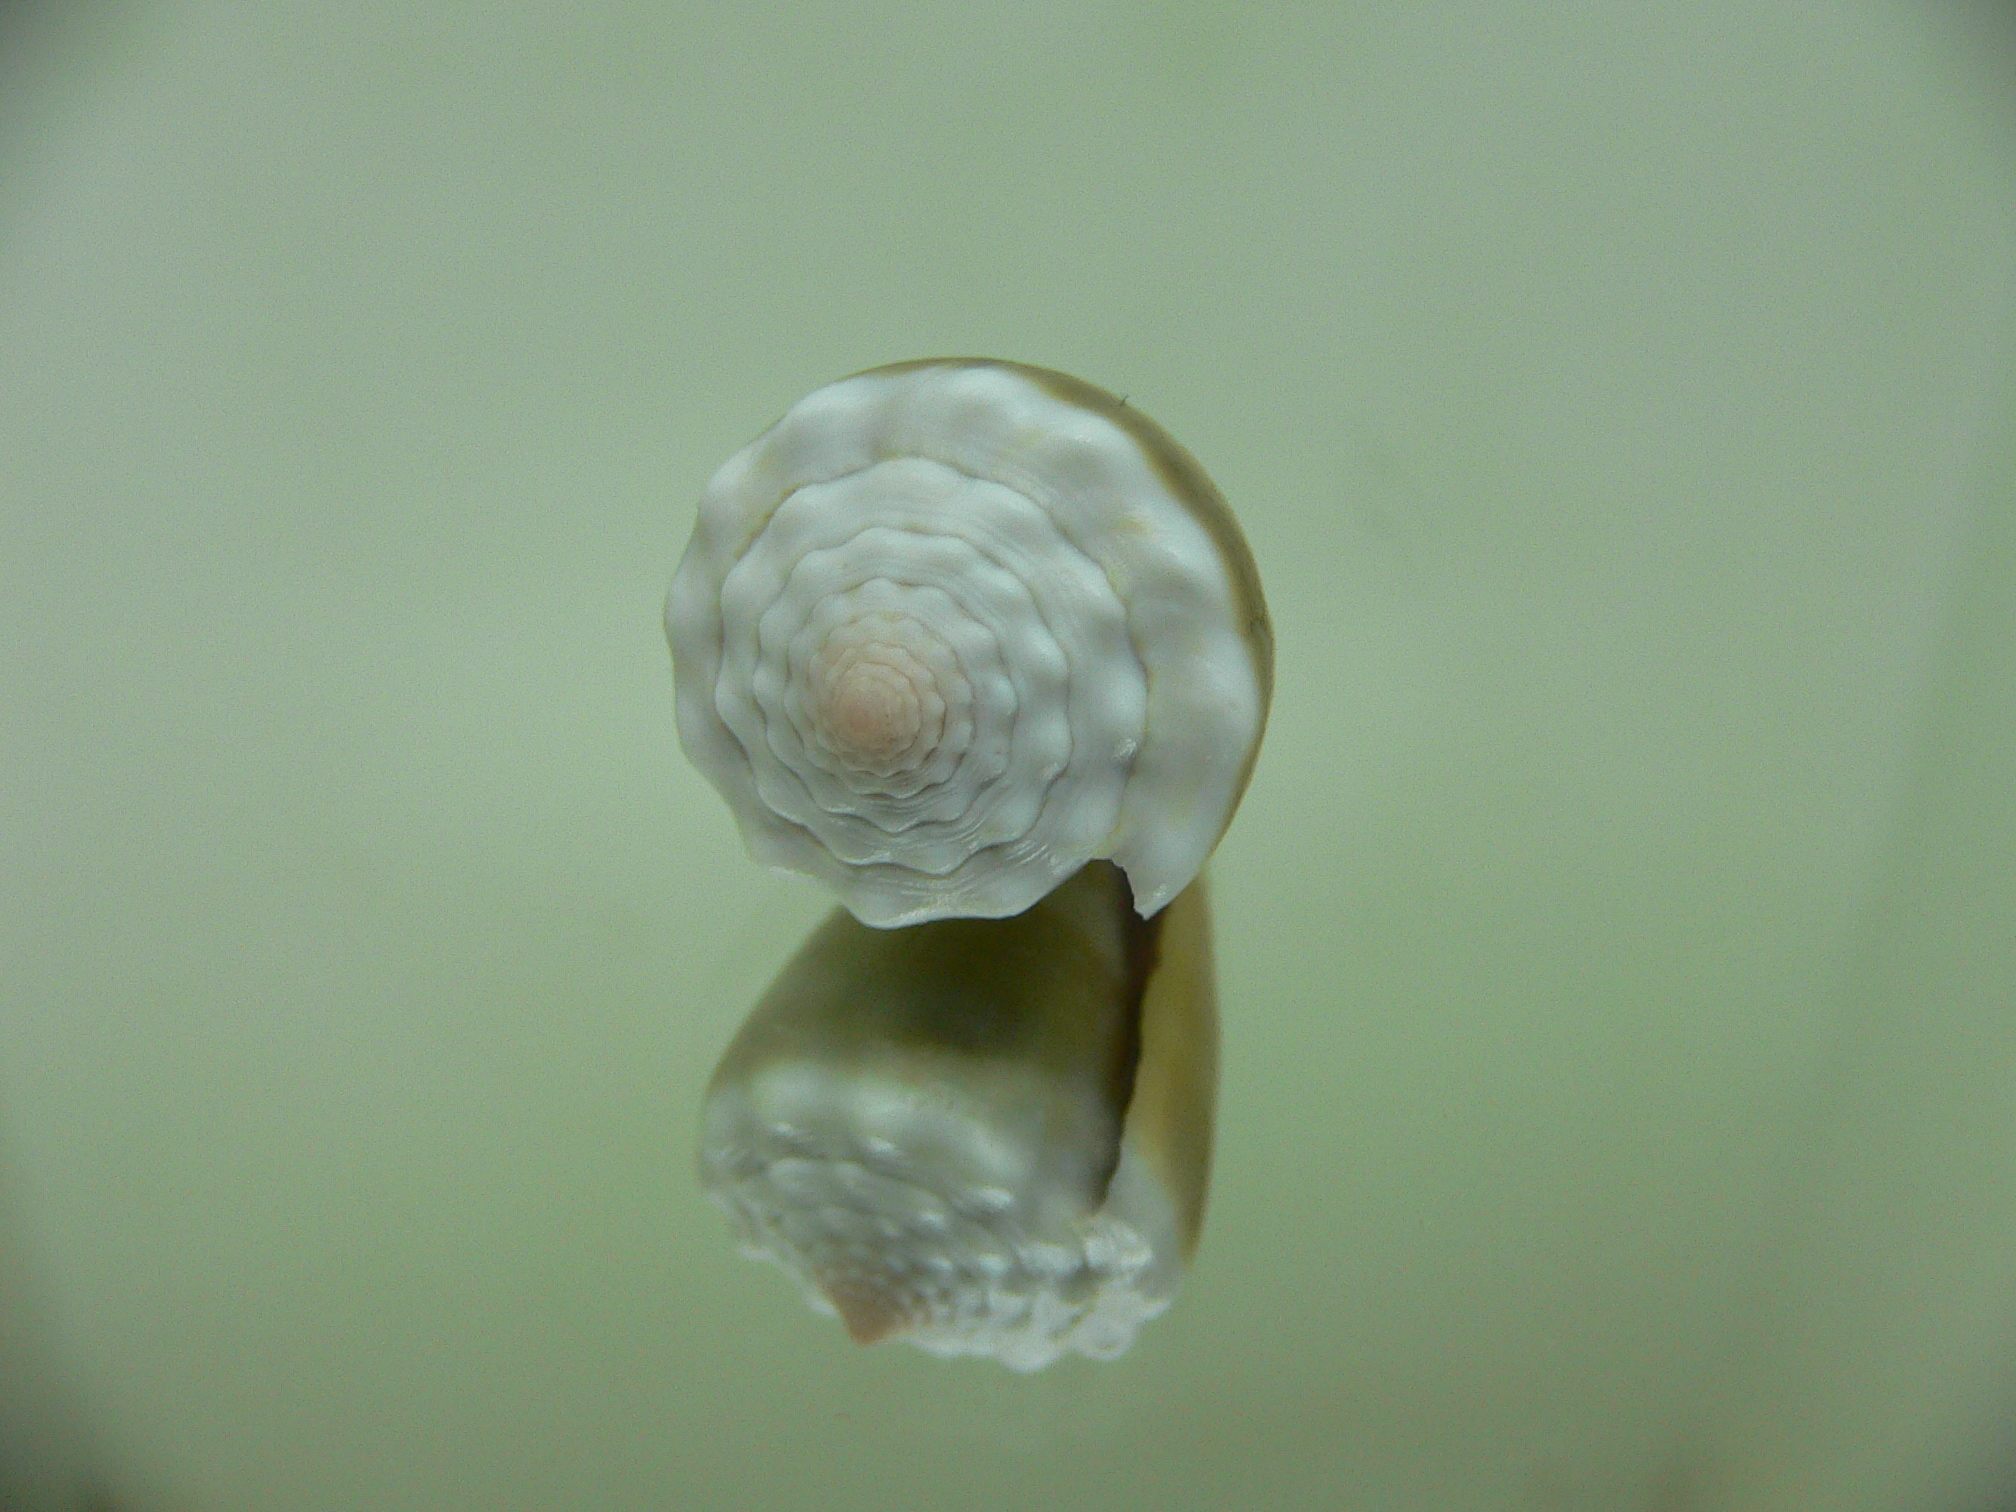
[(984, 1136)]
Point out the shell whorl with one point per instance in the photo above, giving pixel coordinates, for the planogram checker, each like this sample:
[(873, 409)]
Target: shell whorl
[(948, 630)]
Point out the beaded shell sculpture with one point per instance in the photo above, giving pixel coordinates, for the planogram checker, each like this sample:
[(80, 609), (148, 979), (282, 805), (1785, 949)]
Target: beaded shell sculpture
[(950, 629)]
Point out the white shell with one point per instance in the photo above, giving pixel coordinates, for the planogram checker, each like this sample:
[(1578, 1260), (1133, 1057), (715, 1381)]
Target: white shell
[(981, 1137), (949, 630)]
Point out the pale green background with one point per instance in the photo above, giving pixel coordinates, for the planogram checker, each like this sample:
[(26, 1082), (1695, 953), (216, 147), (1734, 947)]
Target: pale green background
[(1616, 941)]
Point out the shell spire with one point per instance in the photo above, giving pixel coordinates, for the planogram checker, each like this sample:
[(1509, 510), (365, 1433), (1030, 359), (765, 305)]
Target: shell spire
[(950, 629)]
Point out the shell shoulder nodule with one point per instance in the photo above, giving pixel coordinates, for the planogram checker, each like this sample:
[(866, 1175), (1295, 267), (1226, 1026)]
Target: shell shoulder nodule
[(949, 629)]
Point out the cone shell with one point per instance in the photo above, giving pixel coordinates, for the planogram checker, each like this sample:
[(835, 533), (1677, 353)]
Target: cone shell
[(950, 629)]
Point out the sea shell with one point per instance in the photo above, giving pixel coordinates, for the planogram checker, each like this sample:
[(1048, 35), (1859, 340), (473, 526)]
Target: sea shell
[(950, 629), (981, 1136)]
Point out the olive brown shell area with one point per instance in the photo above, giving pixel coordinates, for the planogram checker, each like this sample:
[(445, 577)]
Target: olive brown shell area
[(981, 1137), (950, 629)]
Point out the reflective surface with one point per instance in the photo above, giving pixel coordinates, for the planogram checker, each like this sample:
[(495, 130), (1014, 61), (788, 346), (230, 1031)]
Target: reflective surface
[(980, 1136), (1612, 405)]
